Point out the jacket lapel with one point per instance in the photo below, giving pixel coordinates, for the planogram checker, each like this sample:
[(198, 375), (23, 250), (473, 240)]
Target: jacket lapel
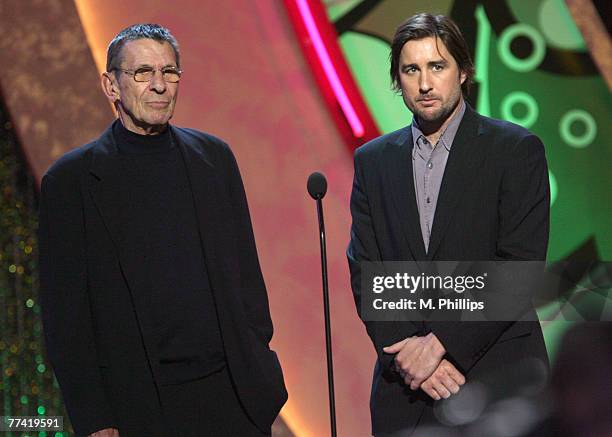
[(463, 160), (399, 166), (205, 181), (109, 187)]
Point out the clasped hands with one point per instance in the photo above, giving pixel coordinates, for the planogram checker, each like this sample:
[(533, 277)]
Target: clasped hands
[(106, 432), (420, 362)]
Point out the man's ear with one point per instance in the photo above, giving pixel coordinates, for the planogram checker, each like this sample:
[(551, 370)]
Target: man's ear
[(462, 76), (110, 87)]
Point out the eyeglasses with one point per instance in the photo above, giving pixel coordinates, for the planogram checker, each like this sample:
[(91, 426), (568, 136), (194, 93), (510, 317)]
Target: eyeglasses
[(145, 74)]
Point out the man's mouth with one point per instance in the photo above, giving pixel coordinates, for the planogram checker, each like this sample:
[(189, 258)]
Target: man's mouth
[(428, 101), (158, 104)]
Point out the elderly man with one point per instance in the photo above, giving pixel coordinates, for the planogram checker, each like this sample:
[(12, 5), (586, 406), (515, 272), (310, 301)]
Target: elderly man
[(452, 186), (154, 307)]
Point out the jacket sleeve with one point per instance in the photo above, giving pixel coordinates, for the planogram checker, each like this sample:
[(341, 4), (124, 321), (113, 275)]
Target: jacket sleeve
[(65, 306), (252, 286), (364, 248), (524, 203)]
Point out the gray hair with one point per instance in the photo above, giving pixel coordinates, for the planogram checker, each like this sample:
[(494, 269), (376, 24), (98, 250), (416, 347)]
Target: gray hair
[(139, 31)]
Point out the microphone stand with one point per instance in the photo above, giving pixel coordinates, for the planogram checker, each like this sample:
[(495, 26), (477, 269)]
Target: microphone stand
[(328, 344)]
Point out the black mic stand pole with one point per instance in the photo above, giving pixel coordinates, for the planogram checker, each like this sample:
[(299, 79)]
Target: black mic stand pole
[(328, 344)]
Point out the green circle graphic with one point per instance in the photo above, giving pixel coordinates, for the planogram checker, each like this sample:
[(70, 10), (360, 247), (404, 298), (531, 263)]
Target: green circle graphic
[(590, 131), (533, 111), (533, 60)]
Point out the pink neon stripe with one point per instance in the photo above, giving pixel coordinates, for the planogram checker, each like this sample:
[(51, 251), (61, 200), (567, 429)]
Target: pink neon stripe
[(330, 71)]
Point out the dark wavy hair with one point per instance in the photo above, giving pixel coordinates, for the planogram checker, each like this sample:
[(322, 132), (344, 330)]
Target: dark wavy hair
[(139, 31), (425, 25)]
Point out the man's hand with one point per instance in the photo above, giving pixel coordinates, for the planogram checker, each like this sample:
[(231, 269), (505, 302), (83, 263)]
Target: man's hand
[(106, 432), (445, 380), (417, 358)]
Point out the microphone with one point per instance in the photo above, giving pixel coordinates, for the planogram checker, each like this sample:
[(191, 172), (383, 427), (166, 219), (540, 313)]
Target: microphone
[(317, 187)]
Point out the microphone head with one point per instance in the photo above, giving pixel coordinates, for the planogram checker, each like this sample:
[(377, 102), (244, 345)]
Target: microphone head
[(317, 185)]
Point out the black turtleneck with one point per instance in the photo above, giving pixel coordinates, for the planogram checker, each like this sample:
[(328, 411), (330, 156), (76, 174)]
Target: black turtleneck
[(131, 142), (181, 310)]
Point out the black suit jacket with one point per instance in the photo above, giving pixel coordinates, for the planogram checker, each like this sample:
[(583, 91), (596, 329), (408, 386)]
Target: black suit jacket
[(493, 205), (93, 285)]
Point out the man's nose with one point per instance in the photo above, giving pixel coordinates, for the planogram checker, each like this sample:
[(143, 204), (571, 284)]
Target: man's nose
[(158, 84), (424, 83)]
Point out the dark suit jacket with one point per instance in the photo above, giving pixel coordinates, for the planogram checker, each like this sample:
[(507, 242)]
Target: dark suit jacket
[(493, 205), (93, 290)]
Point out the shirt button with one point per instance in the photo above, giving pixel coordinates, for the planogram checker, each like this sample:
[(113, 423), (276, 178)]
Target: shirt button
[(428, 200), (430, 165)]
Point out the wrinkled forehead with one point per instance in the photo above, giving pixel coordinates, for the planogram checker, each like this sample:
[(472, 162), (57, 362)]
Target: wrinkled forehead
[(425, 50), (146, 51)]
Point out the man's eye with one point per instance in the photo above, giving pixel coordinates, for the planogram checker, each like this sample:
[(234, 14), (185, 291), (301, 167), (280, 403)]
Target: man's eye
[(409, 70), (438, 67), (144, 70)]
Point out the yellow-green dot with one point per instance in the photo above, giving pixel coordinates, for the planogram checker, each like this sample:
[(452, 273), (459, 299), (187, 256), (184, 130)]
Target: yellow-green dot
[(41, 410), (42, 434), (24, 399), (12, 268), (29, 303), (41, 368), (59, 434)]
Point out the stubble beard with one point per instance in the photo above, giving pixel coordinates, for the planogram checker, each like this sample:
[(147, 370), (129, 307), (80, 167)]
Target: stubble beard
[(441, 115)]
